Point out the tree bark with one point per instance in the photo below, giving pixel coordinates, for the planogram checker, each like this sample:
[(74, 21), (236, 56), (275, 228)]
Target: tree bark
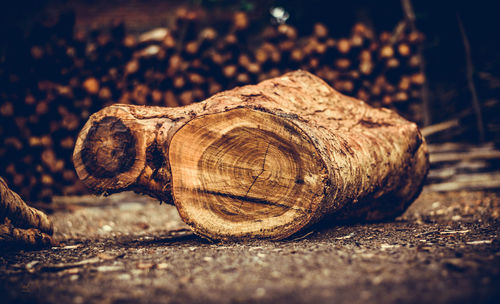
[(30, 237), (19, 213), (259, 161), (21, 224)]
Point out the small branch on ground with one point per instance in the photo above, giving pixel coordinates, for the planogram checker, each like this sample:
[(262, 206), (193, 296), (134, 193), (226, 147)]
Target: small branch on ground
[(20, 222), (27, 237)]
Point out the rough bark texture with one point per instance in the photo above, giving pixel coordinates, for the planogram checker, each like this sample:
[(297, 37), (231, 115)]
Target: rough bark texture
[(30, 237), (259, 161), (19, 213), (20, 223)]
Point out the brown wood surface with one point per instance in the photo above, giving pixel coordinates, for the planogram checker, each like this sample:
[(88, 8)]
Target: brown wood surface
[(260, 161), (21, 224), (19, 213)]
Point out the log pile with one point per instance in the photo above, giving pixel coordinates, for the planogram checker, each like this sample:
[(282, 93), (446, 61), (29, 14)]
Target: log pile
[(61, 76)]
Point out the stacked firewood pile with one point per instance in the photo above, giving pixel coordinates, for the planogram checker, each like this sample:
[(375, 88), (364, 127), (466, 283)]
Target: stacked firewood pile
[(60, 77)]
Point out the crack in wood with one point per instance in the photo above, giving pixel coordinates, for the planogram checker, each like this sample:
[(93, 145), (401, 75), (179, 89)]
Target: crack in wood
[(245, 198), (261, 171), (258, 175), (254, 200)]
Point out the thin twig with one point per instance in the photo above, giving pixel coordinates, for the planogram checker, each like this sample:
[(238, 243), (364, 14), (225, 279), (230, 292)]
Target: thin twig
[(442, 126), (398, 31), (469, 67)]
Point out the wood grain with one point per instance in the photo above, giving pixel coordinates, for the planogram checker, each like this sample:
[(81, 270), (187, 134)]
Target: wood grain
[(261, 161)]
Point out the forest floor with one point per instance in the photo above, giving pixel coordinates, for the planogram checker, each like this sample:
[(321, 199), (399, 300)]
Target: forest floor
[(128, 248)]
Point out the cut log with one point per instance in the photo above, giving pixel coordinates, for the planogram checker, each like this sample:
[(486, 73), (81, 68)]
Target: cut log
[(471, 182), (260, 161), (464, 156)]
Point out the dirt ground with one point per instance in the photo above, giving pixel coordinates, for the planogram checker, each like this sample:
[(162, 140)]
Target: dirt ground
[(128, 248)]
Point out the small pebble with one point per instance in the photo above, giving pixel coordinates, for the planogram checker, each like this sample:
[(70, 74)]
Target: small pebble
[(106, 228), (260, 292)]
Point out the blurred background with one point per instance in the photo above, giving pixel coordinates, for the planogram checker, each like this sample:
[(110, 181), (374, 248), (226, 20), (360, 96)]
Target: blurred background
[(434, 62)]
